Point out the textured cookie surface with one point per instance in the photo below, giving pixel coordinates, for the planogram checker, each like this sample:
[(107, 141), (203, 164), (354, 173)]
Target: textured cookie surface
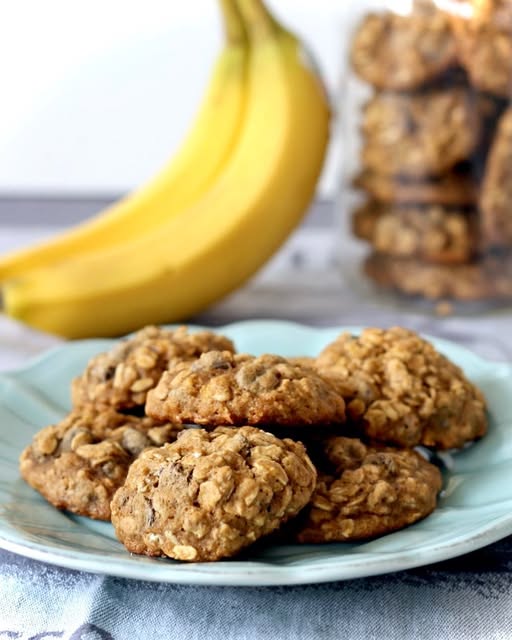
[(221, 388), (367, 492), (400, 390), (419, 135), (496, 203), (79, 463), (484, 45), (210, 494), (122, 376), (431, 232), (457, 188), (392, 51), (486, 279)]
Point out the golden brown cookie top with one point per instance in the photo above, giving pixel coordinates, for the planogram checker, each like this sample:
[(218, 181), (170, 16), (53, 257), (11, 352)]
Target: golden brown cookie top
[(434, 233), (221, 388), (210, 494), (421, 134), (122, 376), (393, 51), (455, 188), (496, 193), (400, 390), (369, 491), (484, 44), (484, 279), (304, 361), (78, 463)]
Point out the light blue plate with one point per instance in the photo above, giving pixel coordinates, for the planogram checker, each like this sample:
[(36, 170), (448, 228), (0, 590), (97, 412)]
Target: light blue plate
[(474, 510)]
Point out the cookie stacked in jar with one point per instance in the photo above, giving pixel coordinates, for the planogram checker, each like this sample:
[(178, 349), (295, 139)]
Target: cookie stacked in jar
[(432, 80)]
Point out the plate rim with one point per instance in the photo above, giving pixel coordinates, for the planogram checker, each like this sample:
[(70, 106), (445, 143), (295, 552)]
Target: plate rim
[(229, 573), (263, 575)]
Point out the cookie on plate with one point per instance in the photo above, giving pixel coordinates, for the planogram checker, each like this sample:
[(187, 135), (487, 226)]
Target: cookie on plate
[(210, 494), (430, 232), (222, 388), (79, 463), (496, 194), (454, 188), (400, 390), (419, 135), (366, 491), (401, 53), (485, 279), (121, 377)]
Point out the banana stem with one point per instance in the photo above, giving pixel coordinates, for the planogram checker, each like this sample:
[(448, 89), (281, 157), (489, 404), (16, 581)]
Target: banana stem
[(233, 24), (258, 19)]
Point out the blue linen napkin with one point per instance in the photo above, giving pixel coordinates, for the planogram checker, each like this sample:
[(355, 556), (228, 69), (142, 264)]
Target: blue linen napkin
[(466, 598)]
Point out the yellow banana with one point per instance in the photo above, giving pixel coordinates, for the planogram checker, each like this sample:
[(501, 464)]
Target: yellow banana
[(182, 181), (213, 246)]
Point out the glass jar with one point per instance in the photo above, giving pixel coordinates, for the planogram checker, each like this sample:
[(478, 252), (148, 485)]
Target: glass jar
[(427, 147)]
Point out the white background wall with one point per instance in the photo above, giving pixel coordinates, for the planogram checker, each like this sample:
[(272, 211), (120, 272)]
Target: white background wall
[(96, 94)]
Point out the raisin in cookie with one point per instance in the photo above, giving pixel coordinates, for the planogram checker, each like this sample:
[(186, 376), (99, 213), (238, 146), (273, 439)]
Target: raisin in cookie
[(122, 376), (400, 390), (392, 51), (456, 187), (366, 491), (221, 388), (485, 279), (496, 195), (484, 44), (431, 232), (79, 463), (419, 135), (210, 494)]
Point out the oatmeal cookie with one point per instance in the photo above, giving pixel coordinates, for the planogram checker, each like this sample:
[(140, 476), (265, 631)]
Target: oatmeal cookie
[(455, 188), (400, 390), (303, 361), (496, 194), (485, 279), (432, 232), (122, 376), (210, 494), (79, 463), (392, 51), (367, 492), (419, 135), (484, 45), (221, 388)]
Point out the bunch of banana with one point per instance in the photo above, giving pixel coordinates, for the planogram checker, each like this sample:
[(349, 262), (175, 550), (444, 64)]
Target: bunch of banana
[(238, 187)]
